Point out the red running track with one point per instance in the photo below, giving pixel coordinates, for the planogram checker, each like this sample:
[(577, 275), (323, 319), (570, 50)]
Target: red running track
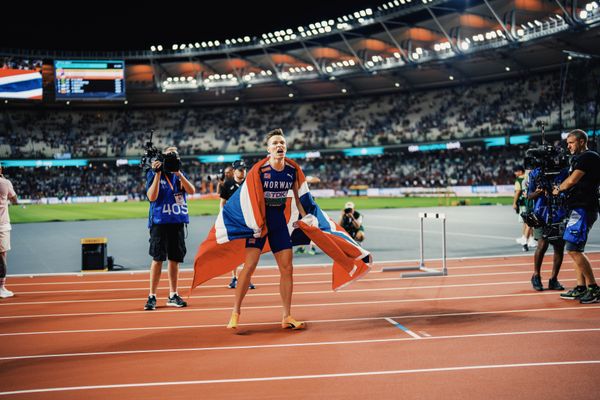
[(481, 332)]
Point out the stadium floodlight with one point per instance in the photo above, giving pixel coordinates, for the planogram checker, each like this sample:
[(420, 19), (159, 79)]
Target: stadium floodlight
[(236, 98), (291, 95), (464, 46), (125, 102), (507, 68), (249, 85), (397, 84), (174, 47), (181, 46), (451, 77), (436, 47), (331, 78), (152, 48), (344, 90), (160, 48), (182, 101), (583, 14)]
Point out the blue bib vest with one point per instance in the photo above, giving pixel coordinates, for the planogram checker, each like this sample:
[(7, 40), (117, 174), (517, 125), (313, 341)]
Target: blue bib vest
[(170, 207)]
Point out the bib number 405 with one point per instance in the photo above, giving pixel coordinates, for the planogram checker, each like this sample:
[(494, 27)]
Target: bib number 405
[(174, 209)]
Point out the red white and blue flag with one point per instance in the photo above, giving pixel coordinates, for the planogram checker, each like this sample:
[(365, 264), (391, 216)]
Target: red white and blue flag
[(20, 84), (243, 216)]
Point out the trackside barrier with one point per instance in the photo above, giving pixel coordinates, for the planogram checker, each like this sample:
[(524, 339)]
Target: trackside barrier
[(424, 271)]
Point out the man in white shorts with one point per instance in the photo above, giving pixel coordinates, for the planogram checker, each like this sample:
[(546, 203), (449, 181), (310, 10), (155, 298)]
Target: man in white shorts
[(7, 193)]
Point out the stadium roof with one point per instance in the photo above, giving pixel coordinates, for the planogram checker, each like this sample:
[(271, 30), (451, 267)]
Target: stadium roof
[(387, 46)]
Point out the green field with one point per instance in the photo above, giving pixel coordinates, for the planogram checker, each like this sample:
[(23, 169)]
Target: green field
[(101, 211)]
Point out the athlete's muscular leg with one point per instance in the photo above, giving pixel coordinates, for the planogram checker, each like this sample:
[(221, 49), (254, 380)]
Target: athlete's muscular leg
[(286, 283), (252, 257)]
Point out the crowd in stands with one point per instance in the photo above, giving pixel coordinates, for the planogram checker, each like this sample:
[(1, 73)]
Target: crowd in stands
[(468, 166), (486, 109), (20, 63)]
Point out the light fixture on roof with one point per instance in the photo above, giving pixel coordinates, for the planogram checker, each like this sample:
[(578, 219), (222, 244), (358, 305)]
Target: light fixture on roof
[(152, 48), (126, 102), (159, 47), (583, 14), (236, 98), (464, 45), (291, 95), (344, 90), (507, 68), (181, 101), (397, 84), (451, 77)]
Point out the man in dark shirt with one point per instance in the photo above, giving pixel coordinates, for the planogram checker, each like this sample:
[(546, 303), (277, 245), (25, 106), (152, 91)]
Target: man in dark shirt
[(226, 190), (582, 201)]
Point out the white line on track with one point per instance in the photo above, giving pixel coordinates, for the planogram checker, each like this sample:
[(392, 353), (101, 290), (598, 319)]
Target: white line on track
[(320, 305), (403, 328), (270, 294), (307, 344), (323, 321), (364, 280), (267, 267), (297, 377)]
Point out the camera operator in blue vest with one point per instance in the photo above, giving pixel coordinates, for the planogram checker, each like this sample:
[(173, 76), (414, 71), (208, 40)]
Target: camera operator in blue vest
[(581, 188), (167, 189), (552, 212)]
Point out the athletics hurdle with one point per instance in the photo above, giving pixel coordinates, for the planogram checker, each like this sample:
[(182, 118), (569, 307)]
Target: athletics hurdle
[(424, 271)]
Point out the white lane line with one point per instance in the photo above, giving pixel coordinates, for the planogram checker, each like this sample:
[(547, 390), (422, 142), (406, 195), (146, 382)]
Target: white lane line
[(323, 321), (270, 294), (364, 280), (307, 344), (297, 377), (349, 303), (403, 328), (227, 278)]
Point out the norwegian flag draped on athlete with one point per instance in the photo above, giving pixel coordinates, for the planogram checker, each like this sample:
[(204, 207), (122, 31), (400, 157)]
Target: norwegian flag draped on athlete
[(243, 216)]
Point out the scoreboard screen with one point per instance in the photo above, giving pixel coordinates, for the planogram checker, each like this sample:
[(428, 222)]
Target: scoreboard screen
[(89, 80)]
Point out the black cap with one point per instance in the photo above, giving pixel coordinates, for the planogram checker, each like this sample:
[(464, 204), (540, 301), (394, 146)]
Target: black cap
[(239, 164)]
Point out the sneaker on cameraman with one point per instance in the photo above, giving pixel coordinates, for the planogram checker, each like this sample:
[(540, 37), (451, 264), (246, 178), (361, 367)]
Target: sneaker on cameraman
[(525, 247), (521, 240), (574, 294), (151, 303), (176, 301), (536, 282), (554, 284), (299, 250), (5, 293), (592, 295), (233, 283)]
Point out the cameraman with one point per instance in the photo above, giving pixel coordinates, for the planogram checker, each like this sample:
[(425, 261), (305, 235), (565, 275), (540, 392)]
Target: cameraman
[(581, 188), (550, 210), (351, 221), (166, 188)]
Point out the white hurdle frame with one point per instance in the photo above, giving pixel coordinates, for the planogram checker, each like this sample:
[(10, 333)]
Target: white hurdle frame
[(424, 271)]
